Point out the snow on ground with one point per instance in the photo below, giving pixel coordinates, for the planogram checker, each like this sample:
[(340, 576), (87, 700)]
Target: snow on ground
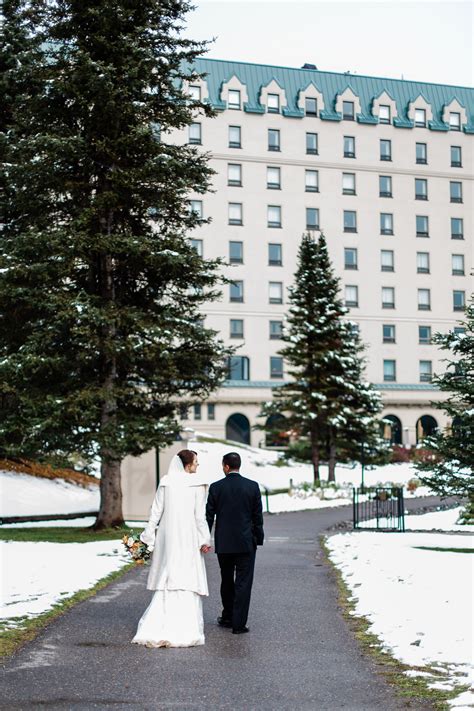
[(42, 574), (418, 600), (437, 521), (22, 495)]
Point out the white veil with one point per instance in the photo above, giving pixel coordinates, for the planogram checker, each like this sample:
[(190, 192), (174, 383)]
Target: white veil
[(178, 475)]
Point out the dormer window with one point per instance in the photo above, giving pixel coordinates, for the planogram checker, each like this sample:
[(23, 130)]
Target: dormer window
[(385, 114), (454, 121), (310, 106), (195, 92), (420, 118), (348, 110), (273, 104), (233, 101)]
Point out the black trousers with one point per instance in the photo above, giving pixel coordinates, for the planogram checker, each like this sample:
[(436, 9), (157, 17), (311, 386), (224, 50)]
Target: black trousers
[(236, 586)]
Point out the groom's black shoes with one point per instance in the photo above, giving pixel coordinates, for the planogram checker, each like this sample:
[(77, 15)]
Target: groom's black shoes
[(240, 630), (223, 622)]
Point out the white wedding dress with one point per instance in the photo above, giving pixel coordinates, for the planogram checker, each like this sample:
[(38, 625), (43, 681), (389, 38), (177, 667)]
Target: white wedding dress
[(177, 573)]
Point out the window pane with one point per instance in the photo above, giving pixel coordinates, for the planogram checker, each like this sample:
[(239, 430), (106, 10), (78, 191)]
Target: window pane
[(420, 117), (388, 297), (457, 228), (384, 114), (421, 153), (386, 223), (198, 246), (456, 156), (195, 93), (350, 221), (312, 143), (195, 133), (424, 334), (425, 371), (236, 328), (311, 107), (211, 411), (273, 178), (237, 291), (312, 218), (235, 213), (351, 295), (273, 103), (455, 121), (421, 189), (424, 299), (311, 181), (274, 216), (385, 185), (348, 110), (238, 368), (350, 258), (457, 264), (197, 412), (275, 255), (423, 262), (275, 291), (387, 260), (455, 191), (276, 329), (385, 149), (422, 226), (234, 137), (388, 333), (234, 174), (276, 367), (349, 147), (273, 139), (196, 207), (348, 183), (459, 300), (236, 252), (234, 99), (389, 371)]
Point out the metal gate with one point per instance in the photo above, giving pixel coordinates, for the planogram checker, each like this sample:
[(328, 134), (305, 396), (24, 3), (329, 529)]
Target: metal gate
[(379, 508)]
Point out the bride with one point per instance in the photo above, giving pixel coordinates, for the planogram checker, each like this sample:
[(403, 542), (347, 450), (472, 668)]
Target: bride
[(178, 573)]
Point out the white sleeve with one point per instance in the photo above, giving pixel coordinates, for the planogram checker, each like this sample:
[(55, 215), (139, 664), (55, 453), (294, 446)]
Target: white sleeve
[(204, 537), (148, 535)]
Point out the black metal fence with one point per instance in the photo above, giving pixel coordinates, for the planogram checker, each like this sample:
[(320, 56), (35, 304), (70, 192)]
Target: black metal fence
[(379, 508)]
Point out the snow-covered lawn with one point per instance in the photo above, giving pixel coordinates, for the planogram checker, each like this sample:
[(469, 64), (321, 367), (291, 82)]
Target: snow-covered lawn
[(417, 598), (23, 495), (35, 576)]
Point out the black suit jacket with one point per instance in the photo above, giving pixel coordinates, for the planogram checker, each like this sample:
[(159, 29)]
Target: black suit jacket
[(236, 504)]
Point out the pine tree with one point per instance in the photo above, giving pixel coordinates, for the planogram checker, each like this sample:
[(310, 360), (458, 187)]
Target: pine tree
[(326, 402), (450, 469), (100, 288)]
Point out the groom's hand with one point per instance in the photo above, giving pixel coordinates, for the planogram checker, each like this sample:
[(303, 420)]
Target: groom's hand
[(205, 549)]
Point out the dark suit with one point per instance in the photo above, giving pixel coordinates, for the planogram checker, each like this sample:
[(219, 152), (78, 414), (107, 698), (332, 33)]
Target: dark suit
[(236, 504)]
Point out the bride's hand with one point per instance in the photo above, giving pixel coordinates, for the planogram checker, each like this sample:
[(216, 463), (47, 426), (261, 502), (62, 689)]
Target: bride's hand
[(205, 549)]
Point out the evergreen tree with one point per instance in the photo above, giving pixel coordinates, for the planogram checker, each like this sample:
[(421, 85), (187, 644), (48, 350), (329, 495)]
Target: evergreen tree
[(450, 469), (326, 403), (100, 288)]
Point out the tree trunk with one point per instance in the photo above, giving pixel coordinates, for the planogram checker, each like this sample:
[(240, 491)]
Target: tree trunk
[(332, 457), (110, 513), (315, 454)]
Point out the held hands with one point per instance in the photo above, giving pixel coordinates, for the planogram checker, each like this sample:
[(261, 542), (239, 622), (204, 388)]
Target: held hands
[(205, 549)]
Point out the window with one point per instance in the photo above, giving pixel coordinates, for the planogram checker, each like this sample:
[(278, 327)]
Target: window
[(457, 264), (425, 371), (354, 328), (238, 368), (197, 411), (273, 178), (194, 92), (420, 118), (389, 371), (459, 330), (198, 246), (235, 213), (311, 107), (312, 144), (349, 147), (237, 292), (456, 157), (459, 300), (348, 184), (273, 104), (236, 328), (350, 221), (386, 223), (421, 189), (385, 149), (350, 258), (454, 121), (388, 297), (421, 154), (235, 137), (273, 216), (276, 330), (387, 261), (312, 218), (385, 186), (424, 335), (183, 412), (457, 228), (422, 229), (311, 180), (351, 295), (234, 174), (275, 292), (233, 102), (384, 114), (195, 133), (388, 333), (423, 262), (273, 139), (236, 252), (348, 110), (275, 258), (276, 367), (424, 300), (211, 411), (195, 206), (455, 191)]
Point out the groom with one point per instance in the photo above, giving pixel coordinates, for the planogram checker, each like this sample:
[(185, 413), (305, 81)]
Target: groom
[(237, 505)]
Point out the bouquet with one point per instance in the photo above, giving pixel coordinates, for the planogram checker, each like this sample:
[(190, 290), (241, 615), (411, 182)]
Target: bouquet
[(138, 550)]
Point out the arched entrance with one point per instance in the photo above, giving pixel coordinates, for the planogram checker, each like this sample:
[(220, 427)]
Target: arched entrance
[(237, 428), (392, 429), (426, 425), (276, 431)]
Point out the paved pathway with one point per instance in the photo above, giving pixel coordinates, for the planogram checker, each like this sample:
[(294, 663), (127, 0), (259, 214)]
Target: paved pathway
[(299, 654)]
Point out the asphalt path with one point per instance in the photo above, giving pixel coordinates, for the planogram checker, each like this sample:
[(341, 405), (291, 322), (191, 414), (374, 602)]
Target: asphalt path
[(299, 654)]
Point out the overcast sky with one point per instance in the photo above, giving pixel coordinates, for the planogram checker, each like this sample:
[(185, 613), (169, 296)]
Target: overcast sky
[(423, 40)]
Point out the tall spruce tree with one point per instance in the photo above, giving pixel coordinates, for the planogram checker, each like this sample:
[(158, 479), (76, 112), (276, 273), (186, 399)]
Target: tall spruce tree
[(450, 469), (100, 288), (326, 402)]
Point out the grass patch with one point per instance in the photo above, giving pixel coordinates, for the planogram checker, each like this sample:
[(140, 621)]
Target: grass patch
[(26, 629), (64, 534), (415, 689), (445, 550)]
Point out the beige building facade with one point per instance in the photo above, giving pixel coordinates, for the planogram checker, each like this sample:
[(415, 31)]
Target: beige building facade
[(384, 168)]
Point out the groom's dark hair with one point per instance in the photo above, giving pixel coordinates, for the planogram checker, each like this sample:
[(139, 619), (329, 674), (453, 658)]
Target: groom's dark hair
[(232, 460)]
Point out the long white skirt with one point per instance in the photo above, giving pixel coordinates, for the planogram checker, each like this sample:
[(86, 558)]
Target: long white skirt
[(172, 619)]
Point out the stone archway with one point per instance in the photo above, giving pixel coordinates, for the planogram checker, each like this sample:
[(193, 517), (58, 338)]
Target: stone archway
[(426, 425), (237, 428), (392, 429)]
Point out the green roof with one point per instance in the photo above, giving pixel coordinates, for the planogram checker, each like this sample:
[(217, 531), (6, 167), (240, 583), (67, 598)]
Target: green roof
[(332, 84)]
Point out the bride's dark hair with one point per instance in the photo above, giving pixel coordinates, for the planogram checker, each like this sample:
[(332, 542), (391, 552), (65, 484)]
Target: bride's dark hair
[(187, 456)]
